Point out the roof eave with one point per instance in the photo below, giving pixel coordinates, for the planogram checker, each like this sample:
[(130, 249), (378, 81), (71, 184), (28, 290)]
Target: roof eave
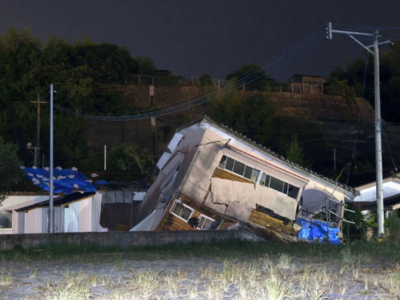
[(334, 184)]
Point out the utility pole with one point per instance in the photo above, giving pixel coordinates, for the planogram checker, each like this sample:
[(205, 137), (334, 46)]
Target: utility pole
[(378, 137), (152, 91), (334, 159), (37, 147), (105, 157), (51, 208)]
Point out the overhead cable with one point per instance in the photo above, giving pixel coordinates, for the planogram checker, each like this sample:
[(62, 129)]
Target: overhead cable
[(390, 152), (300, 48), (358, 123)]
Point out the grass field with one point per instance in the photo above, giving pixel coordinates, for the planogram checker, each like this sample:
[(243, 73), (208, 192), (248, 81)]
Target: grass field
[(218, 270)]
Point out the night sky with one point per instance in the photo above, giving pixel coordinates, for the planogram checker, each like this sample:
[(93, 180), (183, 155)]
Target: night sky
[(193, 37)]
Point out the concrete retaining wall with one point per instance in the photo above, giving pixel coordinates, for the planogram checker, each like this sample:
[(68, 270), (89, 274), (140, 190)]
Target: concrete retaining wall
[(121, 239)]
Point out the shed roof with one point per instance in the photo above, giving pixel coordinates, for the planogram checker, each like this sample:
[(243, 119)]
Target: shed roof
[(58, 202)]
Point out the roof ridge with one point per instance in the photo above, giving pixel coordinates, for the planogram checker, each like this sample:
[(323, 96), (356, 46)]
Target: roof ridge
[(284, 159)]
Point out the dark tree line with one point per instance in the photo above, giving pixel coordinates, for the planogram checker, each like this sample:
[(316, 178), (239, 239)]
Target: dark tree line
[(77, 70), (83, 74), (349, 81)]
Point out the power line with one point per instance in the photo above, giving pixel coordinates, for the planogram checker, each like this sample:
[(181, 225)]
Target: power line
[(358, 124), (300, 48), (390, 152), (170, 110)]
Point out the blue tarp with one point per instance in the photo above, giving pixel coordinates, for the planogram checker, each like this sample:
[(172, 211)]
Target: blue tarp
[(316, 231), (64, 180), (101, 182)]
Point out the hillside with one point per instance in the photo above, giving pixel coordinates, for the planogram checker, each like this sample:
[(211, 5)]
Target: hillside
[(326, 123)]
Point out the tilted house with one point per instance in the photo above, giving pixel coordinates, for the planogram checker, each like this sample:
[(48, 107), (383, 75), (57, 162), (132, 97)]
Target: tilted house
[(211, 177)]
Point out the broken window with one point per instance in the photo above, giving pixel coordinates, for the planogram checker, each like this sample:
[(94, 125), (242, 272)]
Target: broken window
[(181, 210), (222, 163), (265, 180), (293, 191), (204, 222), (5, 219), (239, 168)]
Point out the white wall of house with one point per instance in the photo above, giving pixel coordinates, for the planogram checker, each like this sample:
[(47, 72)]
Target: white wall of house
[(314, 181), (81, 216), (34, 220), (32, 224)]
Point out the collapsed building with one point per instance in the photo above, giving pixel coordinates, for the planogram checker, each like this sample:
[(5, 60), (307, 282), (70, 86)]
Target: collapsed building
[(211, 177)]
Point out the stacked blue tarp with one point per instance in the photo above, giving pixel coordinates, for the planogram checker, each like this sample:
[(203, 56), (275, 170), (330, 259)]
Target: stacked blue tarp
[(317, 231), (64, 180)]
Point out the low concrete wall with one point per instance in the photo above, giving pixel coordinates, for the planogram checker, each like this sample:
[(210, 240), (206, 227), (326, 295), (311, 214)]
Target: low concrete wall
[(121, 239)]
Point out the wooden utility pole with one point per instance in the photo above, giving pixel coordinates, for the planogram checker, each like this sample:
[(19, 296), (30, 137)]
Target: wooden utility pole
[(37, 147)]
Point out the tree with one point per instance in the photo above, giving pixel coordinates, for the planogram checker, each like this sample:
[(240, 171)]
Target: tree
[(253, 73), (78, 72), (205, 79), (10, 171), (350, 80), (251, 115), (146, 66), (128, 158), (295, 153)]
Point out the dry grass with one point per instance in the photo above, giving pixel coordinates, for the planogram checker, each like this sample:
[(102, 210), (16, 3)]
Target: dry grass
[(74, 286), (33, 273), (268, 278), (274, 276), (5, 278)]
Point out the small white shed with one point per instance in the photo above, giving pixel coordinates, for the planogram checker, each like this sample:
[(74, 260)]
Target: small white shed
[(77, 212)]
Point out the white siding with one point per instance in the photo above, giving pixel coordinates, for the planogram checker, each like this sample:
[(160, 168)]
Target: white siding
[(45, 220), (33, 221), (59, 219), (81, 216), (21, 222), (96, 211), (71, 222), (85, 215), (15, 202)]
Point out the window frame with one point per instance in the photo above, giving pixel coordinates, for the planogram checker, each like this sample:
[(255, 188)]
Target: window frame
[(11, 212), (244, 171), (283, 185), (188, 207), (259, 178), (205, 217)]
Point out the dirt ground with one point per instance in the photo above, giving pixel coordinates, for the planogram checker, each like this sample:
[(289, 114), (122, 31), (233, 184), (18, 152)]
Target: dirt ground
[(281, 277)]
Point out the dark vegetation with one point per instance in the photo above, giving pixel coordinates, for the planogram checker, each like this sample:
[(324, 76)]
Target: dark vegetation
[(85, 73), (66, 253), (10, 172), (349, 81)]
